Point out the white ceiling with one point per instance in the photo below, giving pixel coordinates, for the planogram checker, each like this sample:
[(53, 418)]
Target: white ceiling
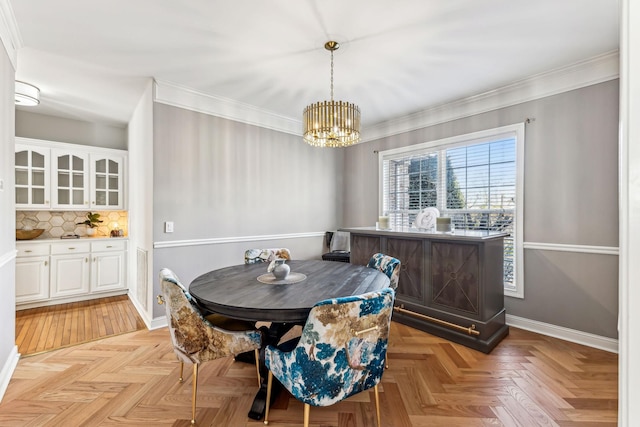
[(92, 60)]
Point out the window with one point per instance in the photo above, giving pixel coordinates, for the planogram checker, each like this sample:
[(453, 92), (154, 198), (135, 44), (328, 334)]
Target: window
[(476, 179)]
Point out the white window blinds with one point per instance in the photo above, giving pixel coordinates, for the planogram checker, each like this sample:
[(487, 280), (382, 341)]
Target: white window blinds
[(473, 179)]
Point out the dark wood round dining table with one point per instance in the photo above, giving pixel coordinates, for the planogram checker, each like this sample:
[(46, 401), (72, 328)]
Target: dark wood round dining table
[(236, 291)]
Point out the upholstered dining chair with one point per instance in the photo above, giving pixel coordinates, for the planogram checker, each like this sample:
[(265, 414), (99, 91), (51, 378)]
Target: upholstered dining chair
[(195, 340), (253, 256), (388, 265), (341, 352)]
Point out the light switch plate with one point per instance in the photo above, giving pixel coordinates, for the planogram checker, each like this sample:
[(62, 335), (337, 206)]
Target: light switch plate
[(168, 227)]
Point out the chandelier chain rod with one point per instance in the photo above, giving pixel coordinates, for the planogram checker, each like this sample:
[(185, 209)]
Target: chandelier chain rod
[(332, 75)]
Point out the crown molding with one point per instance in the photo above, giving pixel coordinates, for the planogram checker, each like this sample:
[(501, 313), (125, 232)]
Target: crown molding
[(9, 32), (595, 70), (183, 97)]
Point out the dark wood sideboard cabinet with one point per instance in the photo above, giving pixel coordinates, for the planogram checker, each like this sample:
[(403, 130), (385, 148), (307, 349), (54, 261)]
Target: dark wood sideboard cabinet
[(451, 285)]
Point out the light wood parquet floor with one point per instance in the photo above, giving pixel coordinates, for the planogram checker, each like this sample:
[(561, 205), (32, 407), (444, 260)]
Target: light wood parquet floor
[(132, 380), (56, 326)]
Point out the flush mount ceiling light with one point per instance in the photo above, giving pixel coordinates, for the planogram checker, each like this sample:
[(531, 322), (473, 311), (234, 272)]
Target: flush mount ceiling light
[(27, 95), (331, 123)]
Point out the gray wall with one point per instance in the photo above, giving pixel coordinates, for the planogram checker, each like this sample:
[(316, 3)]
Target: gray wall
[(7, 215), (571, 198), (217, 178), (41, 126)]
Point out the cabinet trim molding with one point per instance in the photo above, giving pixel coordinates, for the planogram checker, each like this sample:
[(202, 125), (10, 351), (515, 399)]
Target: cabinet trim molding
[(68, 146)]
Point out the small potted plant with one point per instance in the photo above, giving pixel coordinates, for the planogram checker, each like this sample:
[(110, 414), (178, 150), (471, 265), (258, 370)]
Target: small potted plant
[(92, 221)]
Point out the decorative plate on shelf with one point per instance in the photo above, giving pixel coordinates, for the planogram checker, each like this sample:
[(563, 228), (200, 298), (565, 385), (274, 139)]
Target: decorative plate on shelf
[(426, 218)]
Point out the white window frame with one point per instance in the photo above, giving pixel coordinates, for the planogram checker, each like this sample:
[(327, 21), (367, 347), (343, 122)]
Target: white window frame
[(511, 131)]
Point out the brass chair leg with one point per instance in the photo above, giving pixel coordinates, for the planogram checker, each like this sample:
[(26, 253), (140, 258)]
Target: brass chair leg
[(375, 389), (257, 356), (307, 407), (266, 410), (181, 368), (195, 393)]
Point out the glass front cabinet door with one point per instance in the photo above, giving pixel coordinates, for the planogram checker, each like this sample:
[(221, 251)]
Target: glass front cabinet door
[(107, 176), (70, 179), (32, 177)]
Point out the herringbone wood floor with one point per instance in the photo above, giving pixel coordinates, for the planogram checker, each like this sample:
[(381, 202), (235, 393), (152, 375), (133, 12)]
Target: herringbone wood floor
[(132, 380)]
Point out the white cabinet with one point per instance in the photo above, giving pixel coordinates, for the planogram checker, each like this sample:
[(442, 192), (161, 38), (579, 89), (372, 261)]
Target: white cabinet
[(55, 175), (107, 173), (108, 265), (70, 269), (32, 174), (70, 179), (52, 272), (32, 273)]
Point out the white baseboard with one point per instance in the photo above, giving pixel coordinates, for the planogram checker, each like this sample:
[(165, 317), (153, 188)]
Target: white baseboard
[(7, 370), (143, 314), (158, 322), (572, 335)]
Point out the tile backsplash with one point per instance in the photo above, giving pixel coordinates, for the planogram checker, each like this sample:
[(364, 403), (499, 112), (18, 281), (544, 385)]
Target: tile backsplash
[(56, 224)]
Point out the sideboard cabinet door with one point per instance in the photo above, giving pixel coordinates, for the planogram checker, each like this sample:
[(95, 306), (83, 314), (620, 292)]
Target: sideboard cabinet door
[(363, 248), (455, 277), (410, 252)]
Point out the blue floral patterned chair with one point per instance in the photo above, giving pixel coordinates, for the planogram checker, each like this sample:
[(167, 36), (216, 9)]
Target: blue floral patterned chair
[(195, 340), (388, 265), (253, 256), (341, 352)]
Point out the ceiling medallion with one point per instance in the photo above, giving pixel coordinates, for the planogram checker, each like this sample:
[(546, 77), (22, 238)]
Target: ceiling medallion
[(331, 123)]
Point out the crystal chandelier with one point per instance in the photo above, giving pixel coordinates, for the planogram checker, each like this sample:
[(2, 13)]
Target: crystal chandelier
[(331, 123)]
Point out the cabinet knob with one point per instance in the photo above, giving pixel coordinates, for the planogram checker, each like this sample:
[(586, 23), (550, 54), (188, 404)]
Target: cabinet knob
[(86, 260), (109, 246), (71, 248), (46, 263), (28, 251)]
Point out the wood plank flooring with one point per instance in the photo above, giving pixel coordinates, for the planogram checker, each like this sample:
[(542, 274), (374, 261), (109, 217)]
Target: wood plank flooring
[(132, 380), (57, 326)]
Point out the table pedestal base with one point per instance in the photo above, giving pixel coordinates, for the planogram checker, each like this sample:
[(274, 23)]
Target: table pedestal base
[(272, 336)]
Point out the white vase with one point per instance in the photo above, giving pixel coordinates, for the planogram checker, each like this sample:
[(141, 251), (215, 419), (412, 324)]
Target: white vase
[(91, 232), (281, 270)]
